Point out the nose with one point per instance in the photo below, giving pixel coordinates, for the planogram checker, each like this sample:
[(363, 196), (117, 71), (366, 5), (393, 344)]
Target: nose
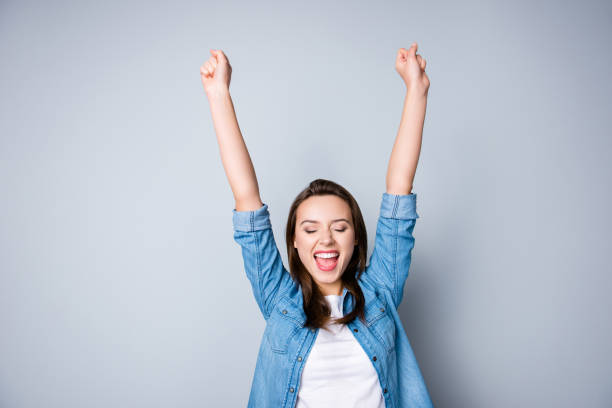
[(327, 238)]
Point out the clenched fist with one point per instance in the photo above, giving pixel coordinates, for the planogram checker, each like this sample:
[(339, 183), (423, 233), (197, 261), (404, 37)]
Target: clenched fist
[(216, 73), (411, 68)]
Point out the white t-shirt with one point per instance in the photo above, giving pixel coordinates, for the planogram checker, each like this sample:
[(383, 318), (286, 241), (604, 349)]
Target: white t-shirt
[(338, 372)]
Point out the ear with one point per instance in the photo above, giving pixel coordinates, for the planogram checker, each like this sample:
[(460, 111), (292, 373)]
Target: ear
[(294, 244)]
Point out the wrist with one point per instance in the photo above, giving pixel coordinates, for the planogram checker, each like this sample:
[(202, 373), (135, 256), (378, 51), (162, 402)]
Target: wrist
[(415, 91), (217, 92), (415, 98)]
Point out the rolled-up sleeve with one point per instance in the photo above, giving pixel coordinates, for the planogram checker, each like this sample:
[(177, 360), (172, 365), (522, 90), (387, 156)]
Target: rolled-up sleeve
[(391, 258), (262, 261), (249, 221), (401, 207)]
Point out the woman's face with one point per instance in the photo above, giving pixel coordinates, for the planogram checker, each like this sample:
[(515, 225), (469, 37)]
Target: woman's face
[(325, 223)]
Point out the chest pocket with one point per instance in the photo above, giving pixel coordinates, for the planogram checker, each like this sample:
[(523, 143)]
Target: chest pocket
[(381, 323), (282, 326)]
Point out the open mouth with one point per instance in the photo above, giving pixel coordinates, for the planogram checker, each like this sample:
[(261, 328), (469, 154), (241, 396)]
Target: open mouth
[(327, 261)]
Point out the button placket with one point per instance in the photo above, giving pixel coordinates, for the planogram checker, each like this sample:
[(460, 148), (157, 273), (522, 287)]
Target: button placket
[(375, 358)]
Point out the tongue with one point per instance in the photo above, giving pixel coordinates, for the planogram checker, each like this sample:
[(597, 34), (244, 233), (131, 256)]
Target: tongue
[(327, 262)]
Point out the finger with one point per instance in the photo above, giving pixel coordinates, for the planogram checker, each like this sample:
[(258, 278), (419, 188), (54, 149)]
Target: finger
[(213, 63), (214, 54), (412, 50), (420, 61), (219, 54), (203, 69), (402, 55), (209, 67)]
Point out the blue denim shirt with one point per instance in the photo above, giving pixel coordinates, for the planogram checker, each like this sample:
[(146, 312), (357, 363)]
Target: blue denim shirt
[(286, 343)]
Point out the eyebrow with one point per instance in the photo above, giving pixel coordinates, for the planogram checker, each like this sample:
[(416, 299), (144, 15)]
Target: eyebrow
[(316, 222)]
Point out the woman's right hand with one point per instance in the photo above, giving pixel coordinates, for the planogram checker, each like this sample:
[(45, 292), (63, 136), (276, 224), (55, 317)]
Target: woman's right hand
[(216, 72)]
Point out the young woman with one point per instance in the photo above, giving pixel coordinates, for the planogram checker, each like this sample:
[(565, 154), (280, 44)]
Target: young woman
[(333, 337)]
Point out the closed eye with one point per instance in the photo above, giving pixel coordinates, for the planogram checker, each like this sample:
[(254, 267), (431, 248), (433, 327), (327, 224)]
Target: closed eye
[(339, 230)]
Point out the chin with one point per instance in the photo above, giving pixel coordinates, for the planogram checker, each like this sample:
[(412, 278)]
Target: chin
[(328, 279)]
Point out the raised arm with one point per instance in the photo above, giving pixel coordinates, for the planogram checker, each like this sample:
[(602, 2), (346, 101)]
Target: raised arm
[(407, 146), (251, 219), (392, 255), (216, 75)]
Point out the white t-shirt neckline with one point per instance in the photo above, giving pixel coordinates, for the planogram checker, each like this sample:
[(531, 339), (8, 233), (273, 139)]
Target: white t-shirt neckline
[(338, 372)]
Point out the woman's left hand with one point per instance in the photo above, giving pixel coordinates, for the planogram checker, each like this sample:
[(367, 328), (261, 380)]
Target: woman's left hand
[(411, 68)]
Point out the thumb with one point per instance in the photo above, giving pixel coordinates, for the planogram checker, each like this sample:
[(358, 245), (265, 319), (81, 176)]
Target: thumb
[(412, 50), (218, 53)]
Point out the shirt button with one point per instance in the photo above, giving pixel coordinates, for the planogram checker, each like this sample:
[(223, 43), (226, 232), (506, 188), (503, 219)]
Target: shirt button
[(385, 390), (284, 311), (312, 330), (355, 330), (291, 389), (299, 358), (382, 309), (374, 358)]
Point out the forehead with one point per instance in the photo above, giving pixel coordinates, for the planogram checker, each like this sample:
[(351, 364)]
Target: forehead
[(323, 208)]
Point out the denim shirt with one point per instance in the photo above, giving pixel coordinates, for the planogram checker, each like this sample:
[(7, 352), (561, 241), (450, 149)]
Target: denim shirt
[(286, 342)]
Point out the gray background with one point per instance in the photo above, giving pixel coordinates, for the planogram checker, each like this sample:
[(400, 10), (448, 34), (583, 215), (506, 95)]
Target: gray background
[(121, 285)]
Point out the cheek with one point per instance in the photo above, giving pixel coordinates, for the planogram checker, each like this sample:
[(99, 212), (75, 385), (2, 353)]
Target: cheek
[(304, 246), (349, 246), (348, 241), (348, 254)]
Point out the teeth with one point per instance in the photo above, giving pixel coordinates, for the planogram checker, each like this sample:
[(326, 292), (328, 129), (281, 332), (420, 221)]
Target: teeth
[(329, 255)]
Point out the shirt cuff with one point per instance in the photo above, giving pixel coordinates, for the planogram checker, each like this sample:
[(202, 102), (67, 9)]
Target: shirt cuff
[(400, 207), (249, 221)]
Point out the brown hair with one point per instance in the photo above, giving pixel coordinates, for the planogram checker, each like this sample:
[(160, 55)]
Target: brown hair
[(316, 308)]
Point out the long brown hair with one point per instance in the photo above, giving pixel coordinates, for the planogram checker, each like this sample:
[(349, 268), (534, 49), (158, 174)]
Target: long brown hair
[(315, 307)]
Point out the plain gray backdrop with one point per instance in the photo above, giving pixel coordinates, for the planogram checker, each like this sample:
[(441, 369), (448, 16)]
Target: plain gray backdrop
[(121, 284)]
